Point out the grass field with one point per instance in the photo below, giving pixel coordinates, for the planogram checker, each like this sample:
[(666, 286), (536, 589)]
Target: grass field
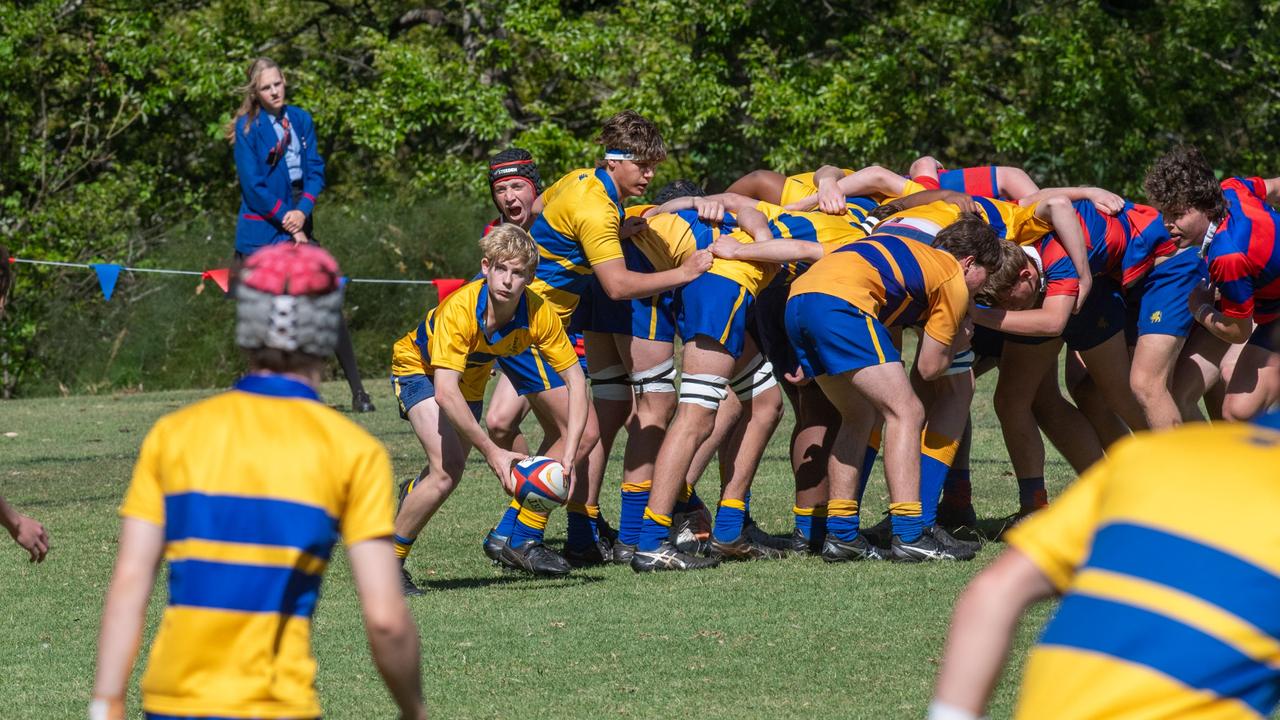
[(792, 638)]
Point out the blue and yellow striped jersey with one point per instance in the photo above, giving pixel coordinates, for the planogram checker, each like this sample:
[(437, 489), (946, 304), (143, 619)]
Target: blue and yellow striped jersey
[(1011, 221), (670, 238), (1168, 555), (578, 228), (899, 282), (252, 487), (798, 187), (453, 336)]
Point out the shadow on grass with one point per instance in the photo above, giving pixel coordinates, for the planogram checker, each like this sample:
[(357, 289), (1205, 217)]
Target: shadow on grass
[(512, 581)]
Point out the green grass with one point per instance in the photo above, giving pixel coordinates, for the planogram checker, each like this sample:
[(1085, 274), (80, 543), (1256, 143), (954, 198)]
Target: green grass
[(793, 638)]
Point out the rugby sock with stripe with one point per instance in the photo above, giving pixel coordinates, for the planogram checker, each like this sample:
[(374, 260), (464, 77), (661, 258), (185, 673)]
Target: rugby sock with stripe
[(507, 524), (654, 530), (635, 496), (957, 490), (581, 531), (403, 545), (804, 520), (530, 525), (937, 452), (1031, 494), (842, 519), (730, 517), (906, 521)]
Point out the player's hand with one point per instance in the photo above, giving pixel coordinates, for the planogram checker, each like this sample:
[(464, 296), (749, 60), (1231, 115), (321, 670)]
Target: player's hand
[(697, 263), (804, 204), (32, 537), (964, 336), (631, 226), (966, 203), (1106, 201), (797, 377), (1202, 294), (293, 220), (1086, 285), (830, 199), (301, 238), (725, 247), (500, 462), (570, 477), (710, 211)]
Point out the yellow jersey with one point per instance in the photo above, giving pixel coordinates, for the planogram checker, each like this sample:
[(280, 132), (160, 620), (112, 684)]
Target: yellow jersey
[(1167, 553), (453, 336), (670, 238), (798, 187), (1011, 221), (252, 487), (899, 282), (578, 228)]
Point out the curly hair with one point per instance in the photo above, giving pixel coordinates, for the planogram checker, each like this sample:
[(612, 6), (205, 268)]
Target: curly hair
[(630, 132), (1182, 180), (971, 236), (1000, 282), (678, 189)]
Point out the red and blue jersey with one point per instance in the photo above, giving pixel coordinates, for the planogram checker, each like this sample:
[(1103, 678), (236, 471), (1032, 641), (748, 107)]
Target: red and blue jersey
[(979, 181), (1242, 257), (1123, 247)]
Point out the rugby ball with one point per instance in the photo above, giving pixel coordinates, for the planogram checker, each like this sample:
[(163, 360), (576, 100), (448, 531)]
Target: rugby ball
[(541, 484)]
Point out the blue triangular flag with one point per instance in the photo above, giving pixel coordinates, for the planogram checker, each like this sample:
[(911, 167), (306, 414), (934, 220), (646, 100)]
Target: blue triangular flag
[(342, 281), (107, 274)]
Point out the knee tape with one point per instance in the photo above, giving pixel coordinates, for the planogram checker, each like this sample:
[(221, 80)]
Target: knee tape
[(755, 379), (704, 390), (660, 378), (961, 363), (610, 384)]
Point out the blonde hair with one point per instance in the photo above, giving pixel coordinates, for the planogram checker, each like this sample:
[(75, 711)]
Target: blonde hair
[(510, 242), (249, 104)]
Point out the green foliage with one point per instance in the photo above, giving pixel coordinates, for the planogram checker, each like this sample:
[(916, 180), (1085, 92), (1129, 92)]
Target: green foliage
[(114, 112)]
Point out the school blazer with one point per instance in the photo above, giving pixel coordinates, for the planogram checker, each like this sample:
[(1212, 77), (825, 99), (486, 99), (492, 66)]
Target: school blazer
[(265, 192)]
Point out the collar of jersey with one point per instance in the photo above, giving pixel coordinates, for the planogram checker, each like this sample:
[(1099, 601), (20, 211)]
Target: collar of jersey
[(1269, 420), (609, 187), (517, 321), (273, 385)]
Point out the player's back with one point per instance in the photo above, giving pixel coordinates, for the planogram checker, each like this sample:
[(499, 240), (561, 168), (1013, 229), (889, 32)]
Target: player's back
[(253, 488), (1242, 256), (1169, 557), (1011, 221)]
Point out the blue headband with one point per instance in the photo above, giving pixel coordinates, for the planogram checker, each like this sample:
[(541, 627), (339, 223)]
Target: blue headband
[(615, 154)]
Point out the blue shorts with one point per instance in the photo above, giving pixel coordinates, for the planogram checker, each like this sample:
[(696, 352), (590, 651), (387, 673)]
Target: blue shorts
[(1264, 336), (413, 389), (769, 313), (716, 307), (1157, 305), (1102, 316), (529, 372), (831, 336), (646, 318)]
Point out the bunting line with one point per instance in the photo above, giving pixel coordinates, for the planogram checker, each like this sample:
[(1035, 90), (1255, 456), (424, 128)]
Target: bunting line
[(166, 271)]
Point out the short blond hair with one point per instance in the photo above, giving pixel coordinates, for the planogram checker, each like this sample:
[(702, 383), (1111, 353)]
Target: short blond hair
[(510, 242)]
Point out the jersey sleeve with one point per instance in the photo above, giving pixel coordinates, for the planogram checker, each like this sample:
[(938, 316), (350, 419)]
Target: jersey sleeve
[(1060, 276), (1255, 186), (144, 499), (1057, 539), (1233, 274), (453, 335), (1023, 226), (549, 336), (950, 303), (1149, 239), (598, 232), (368, 512)]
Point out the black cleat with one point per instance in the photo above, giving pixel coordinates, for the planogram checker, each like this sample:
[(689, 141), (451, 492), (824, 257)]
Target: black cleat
[(606, 531), (622, 553), (836, 550), (743, 548), (598, 553), (757, 535), (493, 545), (407, 585), (801, 545), (957, 517), (962, 549), (535, 558), (360, 402), (690, 533), (880, 534), (922, 549), (667, 557)]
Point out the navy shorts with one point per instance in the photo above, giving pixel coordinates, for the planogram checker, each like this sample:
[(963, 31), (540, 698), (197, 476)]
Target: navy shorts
[(649, 318), (413, 389), (1102, 316), (769, 314), (529, 372), (1157, 305)]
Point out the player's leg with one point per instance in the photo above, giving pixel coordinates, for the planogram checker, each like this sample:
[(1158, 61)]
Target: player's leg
[(763, 185), (1198, 370), (1150, 376), (946, 418), (1255, 380), (1109, 368), (817, 423), (502, 418), (1162, 323), (1023, 366), (1088, 398), (1066, 427)]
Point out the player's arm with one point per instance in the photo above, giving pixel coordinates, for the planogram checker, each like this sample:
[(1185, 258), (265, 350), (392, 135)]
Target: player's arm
[(1014, 182), (926, 166), (1066, 225), (1228, 329), (966, 203), (449, 396), (1273, 190), (933, 359), (982, 628), (393, 636), (1105, 200), (579, 406), (620, 283), (777, 251), (140, 550), (871, 180), (1048, 320), (26, 531)]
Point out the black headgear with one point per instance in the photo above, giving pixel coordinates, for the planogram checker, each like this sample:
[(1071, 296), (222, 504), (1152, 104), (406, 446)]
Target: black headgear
[(514, 162)]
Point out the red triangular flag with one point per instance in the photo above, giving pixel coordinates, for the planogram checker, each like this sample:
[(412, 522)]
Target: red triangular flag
[(444, 286), (218, 275)]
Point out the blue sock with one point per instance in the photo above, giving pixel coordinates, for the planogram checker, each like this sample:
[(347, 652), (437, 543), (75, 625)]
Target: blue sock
[(654, 530), (804, 520), (507, 524), (819, 523), (635, 496), (937, 452), (842, 519), (529, 526), (730, 517), (1031, 493), (581, 532), (905, 520)]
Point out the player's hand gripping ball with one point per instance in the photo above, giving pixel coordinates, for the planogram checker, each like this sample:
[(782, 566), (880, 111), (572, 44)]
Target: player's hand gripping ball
[(541, 484)]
